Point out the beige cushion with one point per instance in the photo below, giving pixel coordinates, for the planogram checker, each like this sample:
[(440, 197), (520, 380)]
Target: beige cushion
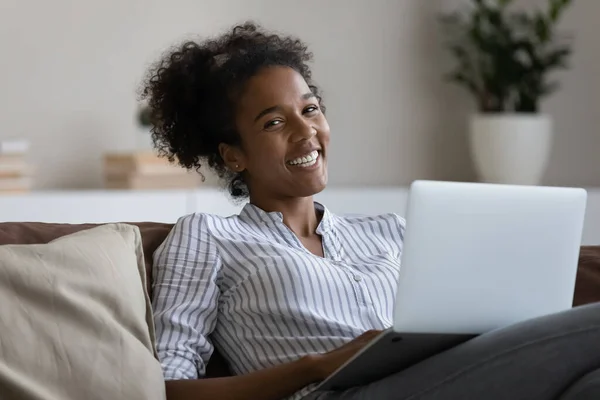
[(75, 319)]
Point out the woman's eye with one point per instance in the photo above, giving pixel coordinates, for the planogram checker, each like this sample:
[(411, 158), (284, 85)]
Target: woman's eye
[(272, 123), (311, 109)]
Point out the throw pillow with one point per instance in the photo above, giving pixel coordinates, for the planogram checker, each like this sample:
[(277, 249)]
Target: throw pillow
[(76, 319)]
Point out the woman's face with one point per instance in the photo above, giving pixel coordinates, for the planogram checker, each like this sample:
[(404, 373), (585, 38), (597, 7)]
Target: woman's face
[(284, 136)]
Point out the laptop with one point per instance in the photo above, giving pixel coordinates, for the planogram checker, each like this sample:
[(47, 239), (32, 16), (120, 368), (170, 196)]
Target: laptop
[(476, 257)]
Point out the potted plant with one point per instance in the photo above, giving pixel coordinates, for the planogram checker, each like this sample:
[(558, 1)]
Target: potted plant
[(504, 57), (143, 140)]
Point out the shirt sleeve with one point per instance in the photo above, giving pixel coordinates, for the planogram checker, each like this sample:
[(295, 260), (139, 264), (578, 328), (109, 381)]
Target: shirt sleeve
[(185, 298), (399, 231)]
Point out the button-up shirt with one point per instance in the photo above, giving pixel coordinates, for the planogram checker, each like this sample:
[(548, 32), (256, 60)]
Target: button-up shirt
[(247, 285)]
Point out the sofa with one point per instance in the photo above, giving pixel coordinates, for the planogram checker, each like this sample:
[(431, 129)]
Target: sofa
[(587, 289)]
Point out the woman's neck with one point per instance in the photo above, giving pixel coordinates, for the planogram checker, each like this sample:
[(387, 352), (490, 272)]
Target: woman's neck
[(299, 214)]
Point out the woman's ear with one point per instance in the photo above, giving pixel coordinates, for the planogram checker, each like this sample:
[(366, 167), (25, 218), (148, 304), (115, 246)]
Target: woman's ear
[(233, 157)]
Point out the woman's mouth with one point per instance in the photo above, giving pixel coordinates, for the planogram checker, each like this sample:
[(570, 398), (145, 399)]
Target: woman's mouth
[(306, 161)]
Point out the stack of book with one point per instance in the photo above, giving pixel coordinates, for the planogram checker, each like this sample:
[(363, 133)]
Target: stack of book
[(15, 171), (146, 171)]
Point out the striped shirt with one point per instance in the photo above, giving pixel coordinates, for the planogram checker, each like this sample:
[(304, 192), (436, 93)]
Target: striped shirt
[(248, 286)]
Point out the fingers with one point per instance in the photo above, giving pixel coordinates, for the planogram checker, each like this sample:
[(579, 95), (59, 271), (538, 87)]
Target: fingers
[(368, 335), (361, 340), (371, 333)]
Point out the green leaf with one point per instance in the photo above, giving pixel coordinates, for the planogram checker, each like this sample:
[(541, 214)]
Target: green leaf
[(504, 3), (557, 7), (549, 88), (463, 80), (144, 116), (556, 58), (459, 52), (542, 28)]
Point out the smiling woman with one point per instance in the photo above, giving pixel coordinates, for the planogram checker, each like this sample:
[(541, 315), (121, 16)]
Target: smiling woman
[(281, 126), (287, 291)]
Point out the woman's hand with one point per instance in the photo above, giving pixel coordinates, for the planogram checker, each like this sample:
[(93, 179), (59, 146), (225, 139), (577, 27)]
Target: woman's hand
[(271, 383), (327, 363)]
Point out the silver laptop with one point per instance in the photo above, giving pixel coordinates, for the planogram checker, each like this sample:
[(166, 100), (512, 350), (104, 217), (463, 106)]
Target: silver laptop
[(476, 257)]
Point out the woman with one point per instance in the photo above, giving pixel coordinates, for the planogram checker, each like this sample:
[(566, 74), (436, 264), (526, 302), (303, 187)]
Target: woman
[(286, 290)]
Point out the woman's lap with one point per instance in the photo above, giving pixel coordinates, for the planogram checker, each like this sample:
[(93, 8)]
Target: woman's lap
[(534, 360)]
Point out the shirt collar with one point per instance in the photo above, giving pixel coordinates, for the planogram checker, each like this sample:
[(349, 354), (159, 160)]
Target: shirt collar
[(257, 215)]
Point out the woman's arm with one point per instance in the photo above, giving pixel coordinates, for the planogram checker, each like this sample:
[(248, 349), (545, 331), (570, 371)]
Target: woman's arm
[(272, 383), (268, 384), (185, 298)]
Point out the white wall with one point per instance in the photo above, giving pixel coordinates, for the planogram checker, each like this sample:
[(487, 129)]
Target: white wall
[(70, 70), (576, 157)]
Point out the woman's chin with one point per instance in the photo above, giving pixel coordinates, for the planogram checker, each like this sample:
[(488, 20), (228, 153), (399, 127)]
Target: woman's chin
[(306, 189)]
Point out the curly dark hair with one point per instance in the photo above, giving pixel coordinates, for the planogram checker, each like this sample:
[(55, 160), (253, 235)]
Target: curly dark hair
[(192, 93)]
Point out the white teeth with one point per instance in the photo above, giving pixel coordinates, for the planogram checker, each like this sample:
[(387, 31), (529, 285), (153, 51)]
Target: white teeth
[(308, 164), (307, 160)]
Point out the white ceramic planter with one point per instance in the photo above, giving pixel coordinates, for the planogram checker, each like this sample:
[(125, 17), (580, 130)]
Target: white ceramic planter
[(511, 148)]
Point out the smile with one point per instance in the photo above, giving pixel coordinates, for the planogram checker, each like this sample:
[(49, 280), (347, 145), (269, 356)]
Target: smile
[(306, 161)]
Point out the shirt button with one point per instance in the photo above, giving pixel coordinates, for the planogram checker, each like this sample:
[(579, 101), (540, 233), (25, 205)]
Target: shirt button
[(357, 278)]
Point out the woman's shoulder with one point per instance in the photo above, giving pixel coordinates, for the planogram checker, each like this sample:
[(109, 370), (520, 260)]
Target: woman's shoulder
[(200, 225), (200, 221), (202, 217), (193, 231), (385, 218)]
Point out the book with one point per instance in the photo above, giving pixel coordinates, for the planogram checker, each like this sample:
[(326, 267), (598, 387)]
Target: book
[(132, 158), (15, 184), (142, 169), (142, 163), (15, 192), (12, 166), (14, 146), (179, 181)]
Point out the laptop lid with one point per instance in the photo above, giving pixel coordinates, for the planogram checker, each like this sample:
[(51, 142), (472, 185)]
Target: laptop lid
[(478, 256)]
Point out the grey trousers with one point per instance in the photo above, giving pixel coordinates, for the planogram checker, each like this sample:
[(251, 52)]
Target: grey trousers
[(547, 358)]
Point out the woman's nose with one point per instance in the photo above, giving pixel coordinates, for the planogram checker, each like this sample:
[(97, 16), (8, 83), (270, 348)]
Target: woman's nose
[(304, 130)]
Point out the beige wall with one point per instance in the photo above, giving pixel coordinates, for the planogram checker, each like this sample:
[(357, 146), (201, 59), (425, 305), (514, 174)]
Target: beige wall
[(576, 108), (70, 69)]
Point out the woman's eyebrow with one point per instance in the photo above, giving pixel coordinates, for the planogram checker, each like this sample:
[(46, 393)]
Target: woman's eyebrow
[(269, 110)]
